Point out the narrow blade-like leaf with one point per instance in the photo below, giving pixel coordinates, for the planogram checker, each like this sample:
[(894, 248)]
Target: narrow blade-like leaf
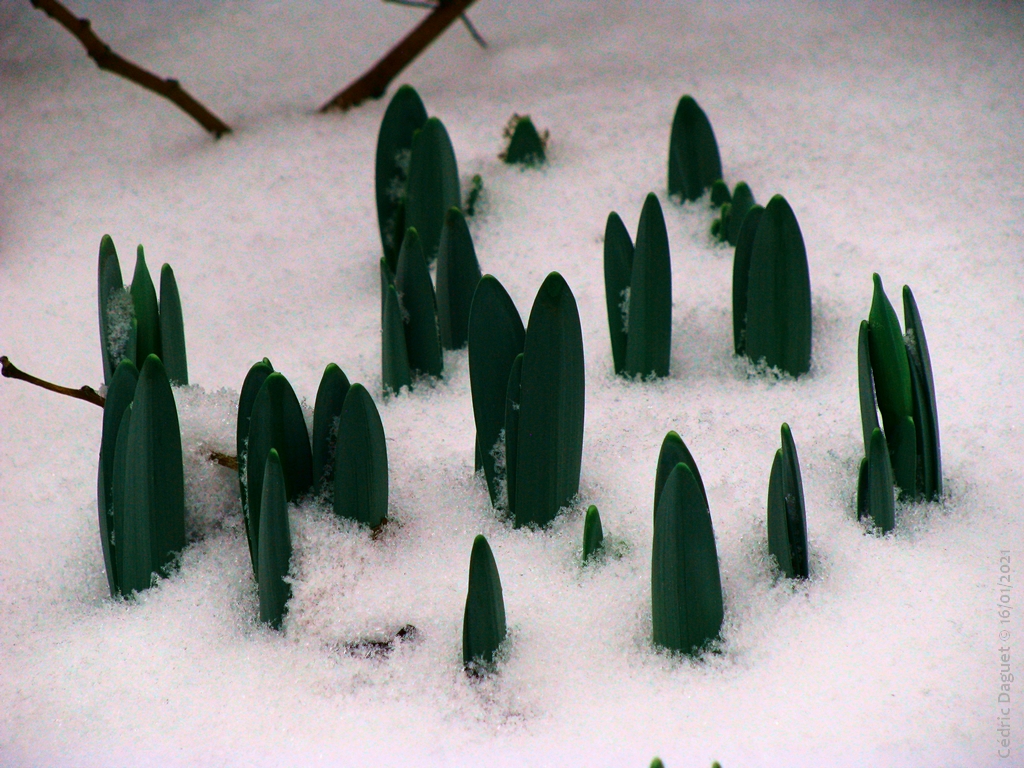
[(593, 533), (880, 505), (793, 494), (902, 440), (330, 398), (550, 448), (412, 281), (433, 185), (649, 337), (888, 360), (404, 116), (513, 401), (779, 293), (250, 388), (496, 337), (525, 147), (483, 624), (926, 416), (686, 586), (741, 276), (673, 451), (742, 202), (693, 160), (778, 522), (117, 501), (172, 329), (720, 194), (866, 385), (109, 283), (147, 312), (275, 542), (618, 272), (394, 357), (458, 273), (361, 461)]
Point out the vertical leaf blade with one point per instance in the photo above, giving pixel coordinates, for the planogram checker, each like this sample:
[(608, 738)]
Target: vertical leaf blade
[(793, 495), (649, 339), (330, 397), (412, 281), (513, 406), (550, 450), (618, 272), (741, 203), (483, 624), (361, 461), (275, 543), (458, 273), (109, 282), (394, 357), (693, 160), (865, 385), (778, 521), (926, 416), (593, 533), (888, 359), (674, 451), (147, 312), (250, 388), (741, 276), (433, 185), (881, 503), (172, 329), (778, 327)]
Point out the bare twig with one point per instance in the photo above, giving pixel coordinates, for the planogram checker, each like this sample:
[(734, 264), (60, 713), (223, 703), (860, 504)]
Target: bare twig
[(374, 83), (90, 395), (432, 5), (11, 371), (106, 59)]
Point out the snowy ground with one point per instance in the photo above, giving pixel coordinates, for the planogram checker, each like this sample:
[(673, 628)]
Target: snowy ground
[(896, 133)]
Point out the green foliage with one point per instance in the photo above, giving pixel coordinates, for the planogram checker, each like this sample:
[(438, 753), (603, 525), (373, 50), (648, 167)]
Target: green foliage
[(120, 394), (404, 116), (483, 626), (250, 388), (476, 188), (649, 317), (741, 276), (657, 763), (394, 357), (686, 587), (875, 485), (778, 308), (926, 418), (361, 461), (787, 521), (496, 336), (147, 310), (109, 285), (550, 447), (276, 422), (433, 185), (865, 385), (525, 145), (693, 160), (727, 226), (419, 307), (674, 451), (458, 273), (330, 397), (275, 544), (720, 194), (513, 406), (888, 359), (148, 487), (618, 271), (593, 533), (172, 329)]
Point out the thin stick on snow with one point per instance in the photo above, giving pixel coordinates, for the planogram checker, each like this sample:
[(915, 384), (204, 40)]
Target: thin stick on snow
[(374, 83), (10, 371), (106, 59)]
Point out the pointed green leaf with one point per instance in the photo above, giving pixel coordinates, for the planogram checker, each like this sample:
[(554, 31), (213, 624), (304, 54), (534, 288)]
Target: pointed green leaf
[(863, 489), (719, 193), (483, 624), (394, 357), (741, 276), (778, 523), (693, 160), (458, 273), (902, 440), (649, 326), (117, 507), (742, 202), (525, 147), (250, 388), (275, 542), (172, 329), (779, 293), (793, 495), (416, 292), (513, 401), (880, 504), (120, 394), (550, 448), (720, 226), (433, 185), (154, 482), (276, 422), (109, 283), (865, 385), (926, 417), (330, 398), (618, 272), (888, 360), (361, 461), (686, 586), (674, 451), (404, 116), (147, 311), (593, 533), (496, 337)]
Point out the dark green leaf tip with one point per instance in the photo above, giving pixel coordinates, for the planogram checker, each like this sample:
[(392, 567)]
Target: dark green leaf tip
[(483, 627), (593, 533)]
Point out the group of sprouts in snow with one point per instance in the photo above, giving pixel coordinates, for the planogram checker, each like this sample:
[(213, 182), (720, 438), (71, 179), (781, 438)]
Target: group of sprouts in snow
[(527, 387)]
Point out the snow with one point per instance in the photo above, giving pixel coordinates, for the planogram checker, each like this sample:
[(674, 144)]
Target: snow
[(893, 130)]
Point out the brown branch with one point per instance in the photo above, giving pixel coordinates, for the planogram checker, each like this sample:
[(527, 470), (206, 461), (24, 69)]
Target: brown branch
[(90, 395), (10, 371), (106, 59), (374, 83)]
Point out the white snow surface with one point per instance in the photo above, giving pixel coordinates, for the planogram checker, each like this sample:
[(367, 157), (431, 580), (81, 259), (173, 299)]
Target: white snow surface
[(895, 131)]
